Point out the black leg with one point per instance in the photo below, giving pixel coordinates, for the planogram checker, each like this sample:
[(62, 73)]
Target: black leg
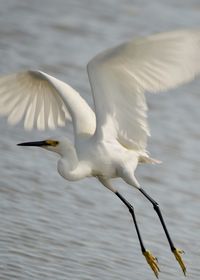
[(131, 210), (152, 261), (175, 251)]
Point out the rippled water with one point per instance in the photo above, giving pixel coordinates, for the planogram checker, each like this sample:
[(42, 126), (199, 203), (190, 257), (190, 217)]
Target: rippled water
[(53, 229)]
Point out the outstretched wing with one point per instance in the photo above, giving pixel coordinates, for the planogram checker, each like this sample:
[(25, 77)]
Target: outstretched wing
[(120, 76), (43, 101)]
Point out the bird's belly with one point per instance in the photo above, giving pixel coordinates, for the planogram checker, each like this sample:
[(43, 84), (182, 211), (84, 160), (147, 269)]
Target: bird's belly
[(106, 170), (103, 160)]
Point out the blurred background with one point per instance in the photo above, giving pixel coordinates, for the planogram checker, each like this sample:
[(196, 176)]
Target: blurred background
[(53, 229)]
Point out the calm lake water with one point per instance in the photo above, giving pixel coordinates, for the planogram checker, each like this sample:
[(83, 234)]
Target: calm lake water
[(53, 229)]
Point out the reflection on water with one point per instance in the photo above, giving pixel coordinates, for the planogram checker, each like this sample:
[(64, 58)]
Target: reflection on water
[(53, 229)]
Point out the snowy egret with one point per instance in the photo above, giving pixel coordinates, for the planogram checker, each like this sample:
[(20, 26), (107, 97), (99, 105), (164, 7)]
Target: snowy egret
[(112, 141)]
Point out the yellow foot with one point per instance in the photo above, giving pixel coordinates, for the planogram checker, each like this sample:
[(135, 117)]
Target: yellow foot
[(177, 253), (152, 261)]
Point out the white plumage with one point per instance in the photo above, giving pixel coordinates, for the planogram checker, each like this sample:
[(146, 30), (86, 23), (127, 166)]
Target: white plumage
[(110, 142)]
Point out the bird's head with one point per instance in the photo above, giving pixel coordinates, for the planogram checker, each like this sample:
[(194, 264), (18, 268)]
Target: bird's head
[(63, 147), (49, 144)]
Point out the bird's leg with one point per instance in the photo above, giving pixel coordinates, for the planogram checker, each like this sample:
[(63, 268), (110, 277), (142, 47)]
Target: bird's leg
[(177, 252), (152, 261)]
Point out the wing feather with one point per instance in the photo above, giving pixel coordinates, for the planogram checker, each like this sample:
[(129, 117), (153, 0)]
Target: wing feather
[(43, 101), (30, 119), (18, 111), (120, 76)]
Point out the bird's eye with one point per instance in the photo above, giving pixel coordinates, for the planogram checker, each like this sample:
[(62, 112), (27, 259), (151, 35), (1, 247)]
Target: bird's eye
[(52, 143)]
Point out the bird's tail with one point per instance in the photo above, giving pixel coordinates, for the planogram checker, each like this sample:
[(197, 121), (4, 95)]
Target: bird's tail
[(147, 159)]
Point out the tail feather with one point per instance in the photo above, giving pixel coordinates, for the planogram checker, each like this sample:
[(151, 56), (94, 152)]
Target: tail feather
[(147, 159)]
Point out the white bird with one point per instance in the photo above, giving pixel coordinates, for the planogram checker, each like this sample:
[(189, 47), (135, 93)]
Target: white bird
[(110, 141)]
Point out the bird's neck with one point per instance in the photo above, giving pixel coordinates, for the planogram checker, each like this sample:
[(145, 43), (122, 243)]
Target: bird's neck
[(70, 167), (69, 157), (73, 172)]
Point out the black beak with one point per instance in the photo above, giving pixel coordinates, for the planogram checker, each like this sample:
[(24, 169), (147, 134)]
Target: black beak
[(36, 144)]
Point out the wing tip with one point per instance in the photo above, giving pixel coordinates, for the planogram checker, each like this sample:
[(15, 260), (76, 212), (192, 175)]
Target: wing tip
[(37, 74)]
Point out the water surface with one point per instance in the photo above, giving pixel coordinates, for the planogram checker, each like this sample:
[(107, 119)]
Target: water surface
[(53, 229)]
